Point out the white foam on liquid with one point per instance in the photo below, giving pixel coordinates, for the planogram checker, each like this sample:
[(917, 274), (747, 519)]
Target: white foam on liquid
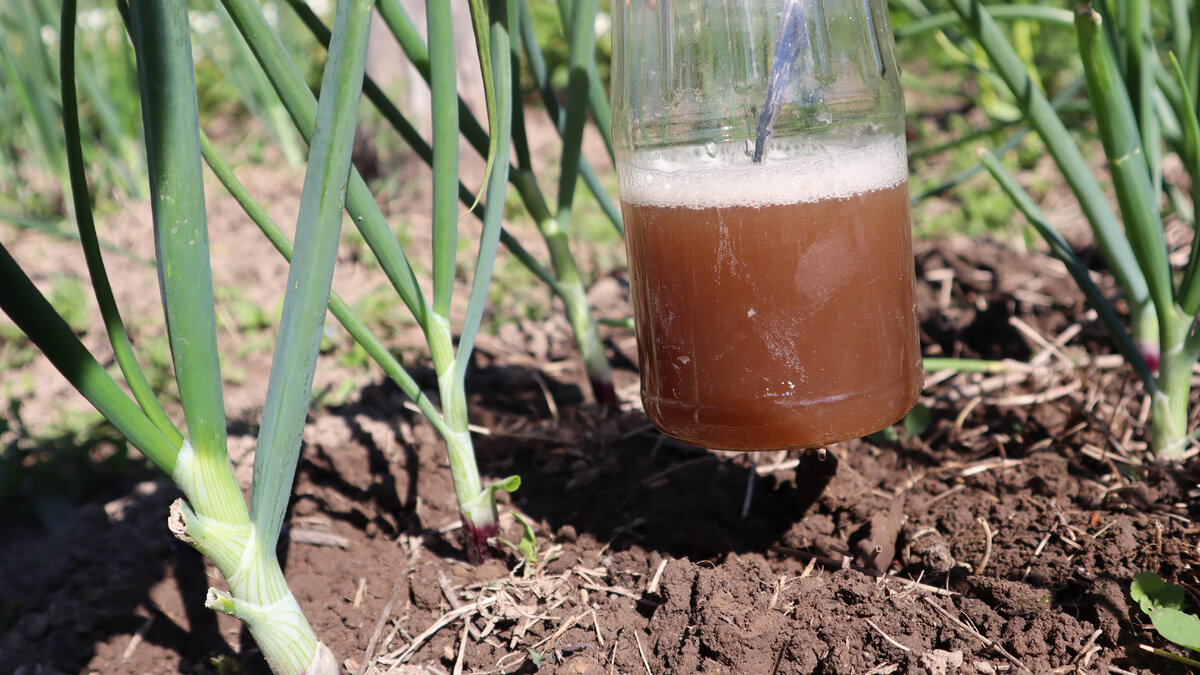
[(698, 178)]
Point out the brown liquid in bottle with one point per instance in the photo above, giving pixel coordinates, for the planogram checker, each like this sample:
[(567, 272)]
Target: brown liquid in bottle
[(775, 326)]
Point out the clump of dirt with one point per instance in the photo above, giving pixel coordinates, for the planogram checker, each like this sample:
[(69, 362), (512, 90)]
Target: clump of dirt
[(1000, 537)]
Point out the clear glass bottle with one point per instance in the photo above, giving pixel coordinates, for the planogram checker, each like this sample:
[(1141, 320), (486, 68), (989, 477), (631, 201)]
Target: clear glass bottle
[(764, 184)]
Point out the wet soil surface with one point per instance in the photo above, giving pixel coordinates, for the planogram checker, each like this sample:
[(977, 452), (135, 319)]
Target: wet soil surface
[(1000, 535)]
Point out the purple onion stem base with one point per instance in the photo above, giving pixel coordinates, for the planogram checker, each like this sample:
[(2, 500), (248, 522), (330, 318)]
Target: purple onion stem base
[(478, 538), (605, 392)]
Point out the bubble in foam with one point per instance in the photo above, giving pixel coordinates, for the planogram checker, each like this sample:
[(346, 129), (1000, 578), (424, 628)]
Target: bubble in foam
[(696, 177)]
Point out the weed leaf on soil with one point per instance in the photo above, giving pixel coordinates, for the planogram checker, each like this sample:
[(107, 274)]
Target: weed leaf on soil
[(886, 435), (1163, 603), (914, 423), (917, 420), (527, 547), (528, 544), (1179, 627), (1150, 591)]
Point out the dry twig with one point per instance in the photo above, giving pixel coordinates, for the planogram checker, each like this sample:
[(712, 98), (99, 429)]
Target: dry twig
[(455, 603), (885, 636), (1043, 396), (616, 590), (652, 587), (561, 629), (949, 491), (1086, 650), (641, 651), (136, 640), (387, 609), (833, 563), (987, 545), (359, 592), (988, 642), (988, 465), (315, 538), (445, 620), (596, 626), (462, 649)]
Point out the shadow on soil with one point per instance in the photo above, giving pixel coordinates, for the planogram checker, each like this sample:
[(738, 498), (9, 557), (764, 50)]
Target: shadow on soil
[(90, 581)]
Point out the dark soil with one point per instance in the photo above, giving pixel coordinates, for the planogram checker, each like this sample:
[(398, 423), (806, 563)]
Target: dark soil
[(1001, 537)]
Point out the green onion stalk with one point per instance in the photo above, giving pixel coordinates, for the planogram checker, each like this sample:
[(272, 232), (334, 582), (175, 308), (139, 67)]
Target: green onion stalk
[(213, 516), (925, 23), (582, 65), (476, 501), (1125, 80), (25, 62), (562, 277)]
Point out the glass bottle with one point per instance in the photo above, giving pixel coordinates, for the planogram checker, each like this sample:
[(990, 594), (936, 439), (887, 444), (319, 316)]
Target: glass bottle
[(764, 185)]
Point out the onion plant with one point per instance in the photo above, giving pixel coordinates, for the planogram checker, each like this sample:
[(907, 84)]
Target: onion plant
[(1138, 101), (926, 25), (476, 501), (585, 93), (26, 63), (213, 515), (30, 143)]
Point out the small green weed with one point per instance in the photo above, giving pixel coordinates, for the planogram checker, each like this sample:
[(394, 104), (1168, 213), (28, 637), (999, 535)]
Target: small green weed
[(526, 549), (1163, 603), (914, 423)]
